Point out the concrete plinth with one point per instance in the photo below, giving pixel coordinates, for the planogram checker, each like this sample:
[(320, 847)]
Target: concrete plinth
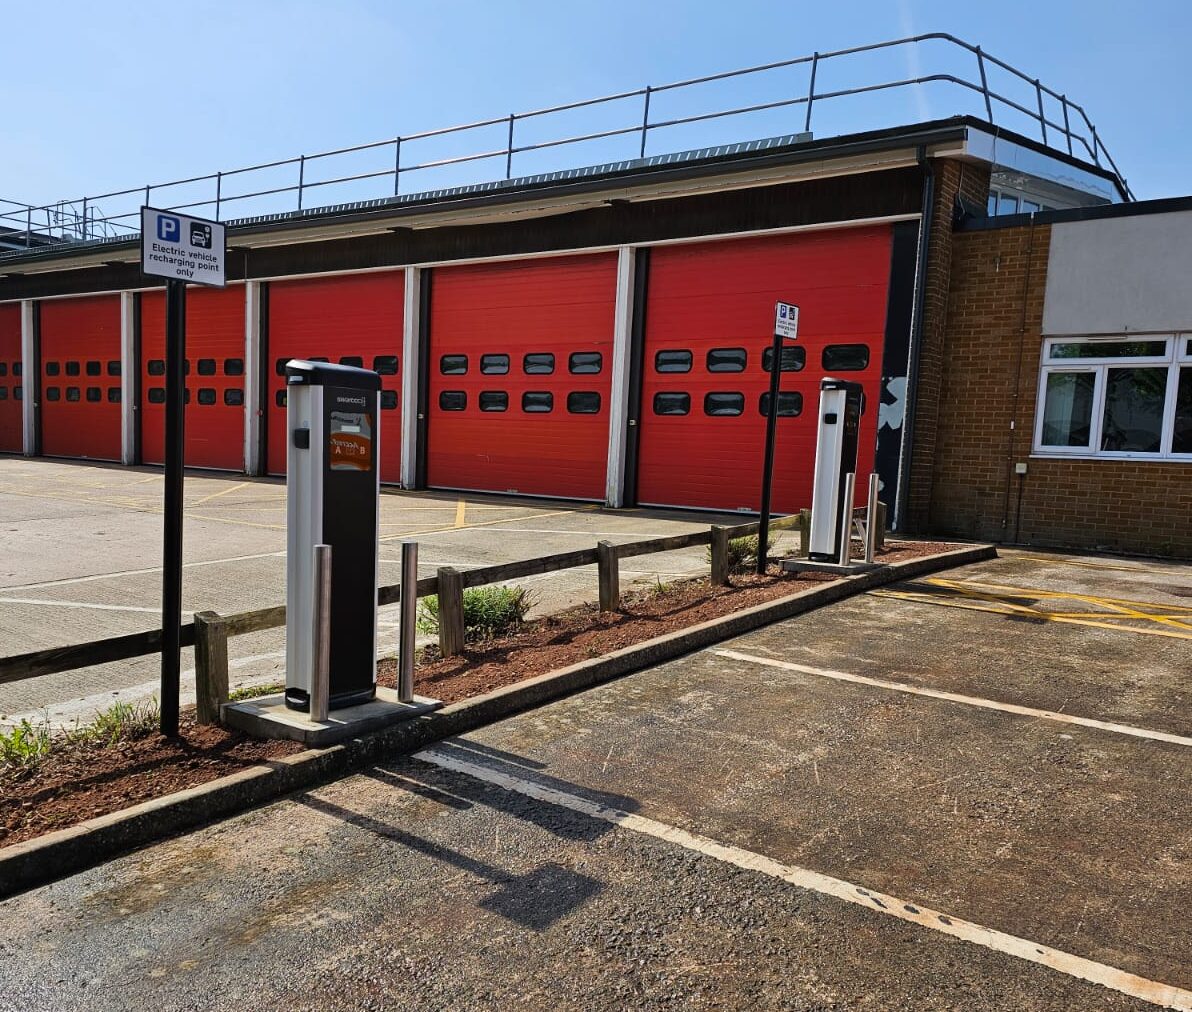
[(269, 717), (805, 566)]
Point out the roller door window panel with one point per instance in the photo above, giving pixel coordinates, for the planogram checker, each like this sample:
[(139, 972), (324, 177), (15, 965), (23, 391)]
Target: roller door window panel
[(214, 341), (80, 334), (349, 319), (538, 333), (708, 360)]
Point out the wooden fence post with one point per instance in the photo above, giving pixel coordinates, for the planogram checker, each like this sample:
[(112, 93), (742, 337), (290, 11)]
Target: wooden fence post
[(451, 612), (881, 525), (610, 576), (211, 666), (804, 533), (719, 556)]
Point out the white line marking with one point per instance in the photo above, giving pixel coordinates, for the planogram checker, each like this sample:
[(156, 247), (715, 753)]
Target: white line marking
[(1156, 993), (955, 697), (138, 572), (82, 604)]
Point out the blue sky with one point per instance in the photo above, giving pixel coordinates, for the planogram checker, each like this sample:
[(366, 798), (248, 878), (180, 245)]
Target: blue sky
[(113, 95)]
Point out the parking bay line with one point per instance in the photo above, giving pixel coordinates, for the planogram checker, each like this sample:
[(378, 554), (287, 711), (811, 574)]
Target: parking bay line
[(956, 697), (1155, 992)]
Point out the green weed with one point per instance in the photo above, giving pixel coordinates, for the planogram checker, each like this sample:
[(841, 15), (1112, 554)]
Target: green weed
[(488, 611), (25, 745)]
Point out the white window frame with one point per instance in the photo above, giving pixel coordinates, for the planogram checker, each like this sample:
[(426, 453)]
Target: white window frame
[(1177, 355)]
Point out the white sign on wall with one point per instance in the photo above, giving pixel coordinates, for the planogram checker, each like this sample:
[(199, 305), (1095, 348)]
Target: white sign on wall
[(786, 321), (182, 248)]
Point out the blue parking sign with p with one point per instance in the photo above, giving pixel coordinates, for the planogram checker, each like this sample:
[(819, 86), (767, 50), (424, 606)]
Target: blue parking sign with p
[(169, 228)]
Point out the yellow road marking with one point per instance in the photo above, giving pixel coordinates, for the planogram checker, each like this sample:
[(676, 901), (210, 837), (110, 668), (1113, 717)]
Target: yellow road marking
[(996, 599), (238, 523), (1073, 562), (483, 523), (461, 509), (224, 491)]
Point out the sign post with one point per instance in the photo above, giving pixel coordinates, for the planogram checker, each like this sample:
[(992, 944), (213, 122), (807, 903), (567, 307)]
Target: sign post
[(181, 249), (786, 327)]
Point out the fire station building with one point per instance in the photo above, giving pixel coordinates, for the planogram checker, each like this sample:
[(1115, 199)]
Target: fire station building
[(1022, 330)]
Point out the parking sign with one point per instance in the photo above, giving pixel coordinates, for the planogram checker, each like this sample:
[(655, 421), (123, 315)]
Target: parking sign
[(786, 321), (182, 248)]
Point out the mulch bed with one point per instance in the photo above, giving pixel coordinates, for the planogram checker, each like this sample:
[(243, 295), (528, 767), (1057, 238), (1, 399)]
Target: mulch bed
[(76, 783)]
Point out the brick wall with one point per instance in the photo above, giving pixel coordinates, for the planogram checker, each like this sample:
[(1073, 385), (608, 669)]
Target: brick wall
[(952, 179), (989, 378)]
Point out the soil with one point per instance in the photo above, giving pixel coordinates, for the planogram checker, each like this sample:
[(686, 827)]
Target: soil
[(80, 782)]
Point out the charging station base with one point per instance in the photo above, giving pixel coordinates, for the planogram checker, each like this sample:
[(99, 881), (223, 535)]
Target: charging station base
[(806, 566), (269, 717)]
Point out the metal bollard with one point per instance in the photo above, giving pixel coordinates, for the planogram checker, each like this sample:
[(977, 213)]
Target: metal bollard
[(871, 520), (850, 491), (409, 620), (320, 682)]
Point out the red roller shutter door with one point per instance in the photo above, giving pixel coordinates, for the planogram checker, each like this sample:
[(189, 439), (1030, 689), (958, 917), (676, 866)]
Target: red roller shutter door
[(709, 321), (214, 380), (10, 379), (80, 377), (520, 374), (354, 319)]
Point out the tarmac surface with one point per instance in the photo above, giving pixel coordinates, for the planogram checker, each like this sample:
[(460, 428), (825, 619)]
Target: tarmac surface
[(80, 559), (921, 798)]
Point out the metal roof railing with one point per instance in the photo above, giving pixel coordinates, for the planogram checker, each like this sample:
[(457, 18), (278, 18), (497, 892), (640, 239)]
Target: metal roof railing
[(1065, 127)]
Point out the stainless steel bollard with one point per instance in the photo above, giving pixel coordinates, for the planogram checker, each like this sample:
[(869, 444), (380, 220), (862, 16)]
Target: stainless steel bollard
[(871, 520), (320, 682), (850, 491), (409, 620)]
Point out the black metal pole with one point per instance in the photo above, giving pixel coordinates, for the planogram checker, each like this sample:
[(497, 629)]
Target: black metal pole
[(171, 576), (763, 527)]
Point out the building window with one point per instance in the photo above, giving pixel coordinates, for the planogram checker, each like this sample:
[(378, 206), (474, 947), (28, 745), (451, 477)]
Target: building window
[(3, 393), (52, 393), (583, 402), (233, 367), (845, 357), (1115, 397), (72, 368), (113, 395), (792, 359), (233, 397), (72, 393), (3, 368), (385, 365), (726, 360), (724, 403), (672, 361), (279, 398), (666, 403), (53, 369), (114, 367), (94, 369), (453, 365), (453, 400), (206, 367), (538, 364), (494, 365), (534, 402), (157, 395), (157, 366), (207, 395), (585, 362), (388, 400), (790, 404), (494, 400), (94, 395), (355, 361)]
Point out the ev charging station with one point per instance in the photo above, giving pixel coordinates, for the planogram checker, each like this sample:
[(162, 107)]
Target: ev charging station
[(840, 408), (333, 499)]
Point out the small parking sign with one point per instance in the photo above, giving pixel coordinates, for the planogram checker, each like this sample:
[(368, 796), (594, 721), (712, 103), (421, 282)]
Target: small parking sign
[(786, 321), (182, 248)]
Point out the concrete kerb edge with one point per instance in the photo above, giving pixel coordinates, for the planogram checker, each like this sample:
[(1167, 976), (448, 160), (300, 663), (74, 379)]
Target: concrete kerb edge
[(65, 852)]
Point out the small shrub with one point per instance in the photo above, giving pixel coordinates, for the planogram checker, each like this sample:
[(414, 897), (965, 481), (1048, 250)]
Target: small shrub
[(742, 552), (488, 611), (25, 745)]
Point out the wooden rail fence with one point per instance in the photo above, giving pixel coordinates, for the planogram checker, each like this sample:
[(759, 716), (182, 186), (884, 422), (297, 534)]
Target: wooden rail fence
[(209, 632)]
